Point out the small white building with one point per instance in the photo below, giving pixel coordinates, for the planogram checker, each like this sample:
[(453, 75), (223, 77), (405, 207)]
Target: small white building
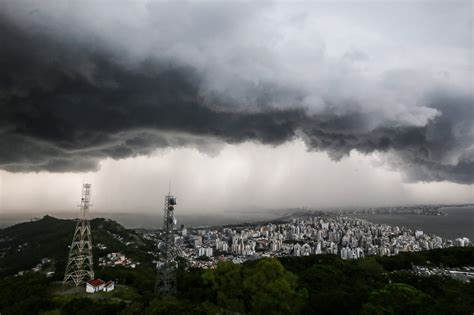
[(95, 285), (109, 286), (297, 250), (205, 251)]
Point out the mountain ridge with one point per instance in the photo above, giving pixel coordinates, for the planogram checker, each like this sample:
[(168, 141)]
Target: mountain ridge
[(23, 245)]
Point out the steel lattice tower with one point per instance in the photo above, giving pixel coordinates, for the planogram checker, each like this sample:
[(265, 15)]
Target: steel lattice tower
[(166, 266), (79, 266)]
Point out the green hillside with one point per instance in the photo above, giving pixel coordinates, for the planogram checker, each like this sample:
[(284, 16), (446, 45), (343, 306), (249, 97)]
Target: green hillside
[(25, 244), (322, 284)]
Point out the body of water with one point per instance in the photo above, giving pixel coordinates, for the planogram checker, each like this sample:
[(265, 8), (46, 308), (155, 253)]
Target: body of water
[(458, 222), (154, 221)]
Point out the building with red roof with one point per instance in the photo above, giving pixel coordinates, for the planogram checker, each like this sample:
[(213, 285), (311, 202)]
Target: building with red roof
[(95, 285)]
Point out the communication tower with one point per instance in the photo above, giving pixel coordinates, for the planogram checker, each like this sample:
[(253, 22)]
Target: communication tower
[(166, 266), (79, 265)]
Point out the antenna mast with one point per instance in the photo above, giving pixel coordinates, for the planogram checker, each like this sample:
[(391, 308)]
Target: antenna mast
[(166, 266), (79, 265)]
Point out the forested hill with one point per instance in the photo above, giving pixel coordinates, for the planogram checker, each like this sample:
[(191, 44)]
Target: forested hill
[(24, 245), (321, 284)]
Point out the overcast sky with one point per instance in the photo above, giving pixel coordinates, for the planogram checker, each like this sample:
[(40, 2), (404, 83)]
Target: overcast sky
[(241, 105)]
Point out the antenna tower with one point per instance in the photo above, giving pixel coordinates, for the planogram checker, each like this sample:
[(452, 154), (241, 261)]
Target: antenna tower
[(166, 266), (79, 265)]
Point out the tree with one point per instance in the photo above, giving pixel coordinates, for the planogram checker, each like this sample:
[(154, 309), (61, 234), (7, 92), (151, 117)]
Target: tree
[(227, 282), (24, 295), (256, 288), (272, 289), (398, 298)]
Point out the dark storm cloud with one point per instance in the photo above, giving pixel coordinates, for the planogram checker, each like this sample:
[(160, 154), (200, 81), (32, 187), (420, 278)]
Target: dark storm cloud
[(63, 105), (67, 103)]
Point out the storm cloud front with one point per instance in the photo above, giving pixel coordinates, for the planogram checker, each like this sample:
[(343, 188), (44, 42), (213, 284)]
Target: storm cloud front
[(78, 86)]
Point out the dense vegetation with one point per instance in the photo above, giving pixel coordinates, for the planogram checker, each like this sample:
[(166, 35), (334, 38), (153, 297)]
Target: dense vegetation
[(320, 284), (50, 237)]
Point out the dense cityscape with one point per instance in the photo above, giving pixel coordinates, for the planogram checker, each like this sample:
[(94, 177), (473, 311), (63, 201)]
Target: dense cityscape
[(347, 237), (421, 209)]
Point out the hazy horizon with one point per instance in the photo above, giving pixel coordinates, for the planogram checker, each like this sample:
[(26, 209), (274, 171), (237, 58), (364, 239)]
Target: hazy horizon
[(457, 223)]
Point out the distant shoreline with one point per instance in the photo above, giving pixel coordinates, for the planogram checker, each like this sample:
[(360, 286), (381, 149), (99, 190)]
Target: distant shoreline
[(153, 221)]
